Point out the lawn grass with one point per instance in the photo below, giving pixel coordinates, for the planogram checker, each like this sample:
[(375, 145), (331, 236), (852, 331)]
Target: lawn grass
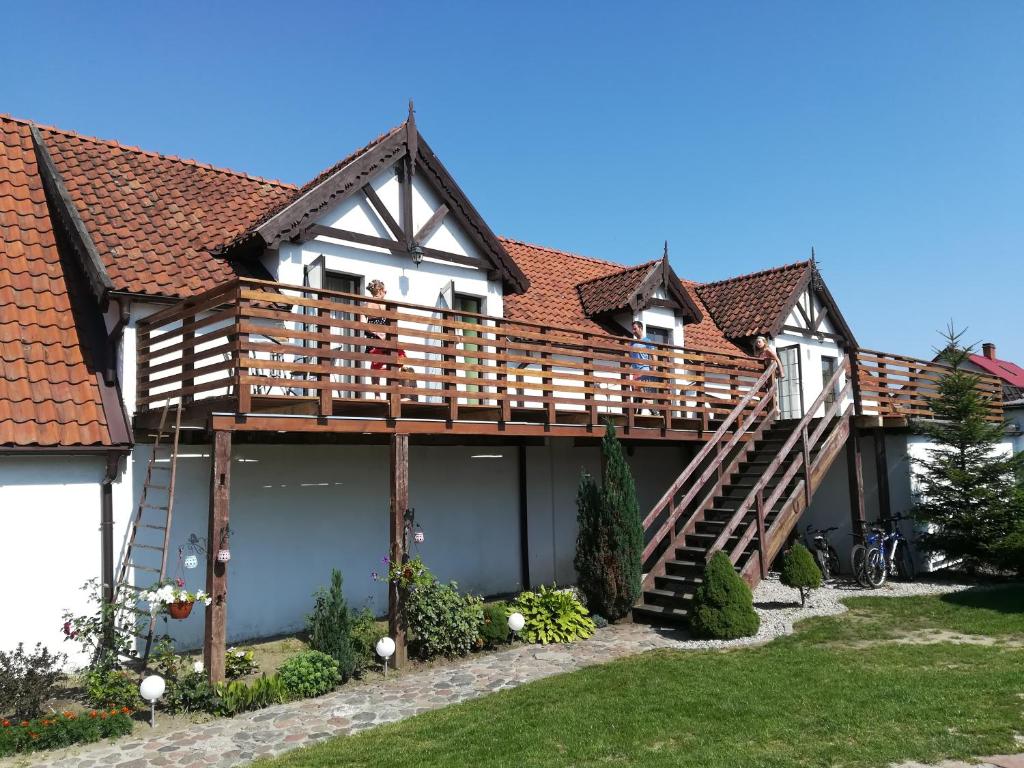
[(805, 700)]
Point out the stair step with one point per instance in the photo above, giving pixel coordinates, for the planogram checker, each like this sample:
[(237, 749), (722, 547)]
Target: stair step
[(155, 506), (158, 487), (150, 547), (683, 568), (678, 583), (146, 568), (154, 527), (668, 598), (659, 614)]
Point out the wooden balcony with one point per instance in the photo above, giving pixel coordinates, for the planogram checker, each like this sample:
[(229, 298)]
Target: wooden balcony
[(261, 356), (898, 389), (253, 355)]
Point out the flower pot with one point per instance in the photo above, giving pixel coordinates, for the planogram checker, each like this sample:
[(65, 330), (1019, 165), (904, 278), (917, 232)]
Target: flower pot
[(223, 555), (179, 610)]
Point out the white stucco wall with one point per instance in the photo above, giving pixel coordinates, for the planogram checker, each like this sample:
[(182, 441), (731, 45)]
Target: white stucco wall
[(50, 517)]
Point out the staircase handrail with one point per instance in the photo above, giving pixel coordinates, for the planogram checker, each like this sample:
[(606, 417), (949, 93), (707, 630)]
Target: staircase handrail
[(705, 451), (783, 453)]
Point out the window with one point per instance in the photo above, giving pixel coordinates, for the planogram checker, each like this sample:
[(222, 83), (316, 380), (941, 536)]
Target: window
[(828, 369), (659, 335), (336, 281), (790, 392)]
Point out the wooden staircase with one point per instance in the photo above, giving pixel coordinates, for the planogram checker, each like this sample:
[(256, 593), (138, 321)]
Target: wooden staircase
[(743, 493)]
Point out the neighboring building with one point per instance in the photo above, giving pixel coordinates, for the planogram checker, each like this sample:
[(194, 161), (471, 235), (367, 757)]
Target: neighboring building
[(131, 281), (1012, 377)]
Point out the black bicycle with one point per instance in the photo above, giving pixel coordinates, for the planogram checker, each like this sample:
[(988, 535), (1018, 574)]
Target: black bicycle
[(885, 551), (825, 554)]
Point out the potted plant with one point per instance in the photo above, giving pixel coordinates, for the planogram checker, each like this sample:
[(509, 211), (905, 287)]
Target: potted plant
[(172, 597)]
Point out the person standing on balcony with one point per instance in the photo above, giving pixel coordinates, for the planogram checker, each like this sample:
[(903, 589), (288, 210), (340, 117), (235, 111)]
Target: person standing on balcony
[(641, 356), (378, 291), (767, 355)]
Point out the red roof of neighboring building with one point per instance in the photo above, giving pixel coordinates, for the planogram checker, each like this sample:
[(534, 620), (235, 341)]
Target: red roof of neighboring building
[(50, 387), (1010, 373)]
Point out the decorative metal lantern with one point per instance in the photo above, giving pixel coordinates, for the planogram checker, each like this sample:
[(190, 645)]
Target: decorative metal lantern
[(223, 555), (191, 562), (418, 537)]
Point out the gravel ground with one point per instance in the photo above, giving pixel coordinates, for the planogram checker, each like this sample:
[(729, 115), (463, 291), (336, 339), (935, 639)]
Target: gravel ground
[(779, 607)]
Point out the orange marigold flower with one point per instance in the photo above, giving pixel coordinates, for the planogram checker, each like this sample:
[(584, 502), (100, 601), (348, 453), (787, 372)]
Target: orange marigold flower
[(7, 723), (24, 723), (33, 735), (69, 715), (93, 713), (103, 715), (47, 722), (126, 710)]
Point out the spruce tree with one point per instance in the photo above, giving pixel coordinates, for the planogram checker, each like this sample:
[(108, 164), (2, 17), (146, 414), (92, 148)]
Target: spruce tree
[(969, 501), (610, 540), (799, 570), (723, 607)]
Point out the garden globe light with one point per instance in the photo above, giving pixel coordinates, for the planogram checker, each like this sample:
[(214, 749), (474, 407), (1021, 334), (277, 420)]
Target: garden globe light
[(385, 649), (151, 689), (516, 622)]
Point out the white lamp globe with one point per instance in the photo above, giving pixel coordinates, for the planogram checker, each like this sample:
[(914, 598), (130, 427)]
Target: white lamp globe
[(152, 688), (516, 621), (385, 648)]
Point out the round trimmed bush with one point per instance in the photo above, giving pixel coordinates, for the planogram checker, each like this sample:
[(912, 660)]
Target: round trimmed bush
[(799, 570), (723, 608), (310, 673)]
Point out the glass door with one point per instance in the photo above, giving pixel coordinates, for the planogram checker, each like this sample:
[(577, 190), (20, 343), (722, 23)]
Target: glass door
[(336, 281), (790, 392), (472, 304), (828, 369)]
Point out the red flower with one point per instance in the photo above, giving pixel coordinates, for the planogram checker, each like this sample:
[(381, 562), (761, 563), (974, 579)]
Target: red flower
[(7, 723), (181, 583)]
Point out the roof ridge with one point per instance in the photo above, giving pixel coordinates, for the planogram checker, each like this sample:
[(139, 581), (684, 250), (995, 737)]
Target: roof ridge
[(759, 273), (549, 249), (148, 152), (610, 275)]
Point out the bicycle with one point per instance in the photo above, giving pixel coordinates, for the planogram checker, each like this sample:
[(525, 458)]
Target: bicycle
[(881, 555), (825, 554)]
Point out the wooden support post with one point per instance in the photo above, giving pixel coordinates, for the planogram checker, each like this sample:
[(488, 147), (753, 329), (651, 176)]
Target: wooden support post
[(882, 475), (546, 381), (855, 472), (451, 390), (762, 545), (591, 397), (399, 504), (393, 369), (808, 492), (188, 339), (503, 390), (326, 403), (524, 522), (215, 638)]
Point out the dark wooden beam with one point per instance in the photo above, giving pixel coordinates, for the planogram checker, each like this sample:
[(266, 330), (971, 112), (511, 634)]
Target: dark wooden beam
[(524, 522), (383, 212), (855, 474), (803, 314), (405, 199), (431, 225), (882, 475), (807, 332), (399, 487), (319, 230), (215, 637)]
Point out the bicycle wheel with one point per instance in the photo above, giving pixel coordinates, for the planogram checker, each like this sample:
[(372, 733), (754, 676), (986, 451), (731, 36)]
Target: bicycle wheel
[(905, 564), (857, 561), (874, 567), (833, 561)]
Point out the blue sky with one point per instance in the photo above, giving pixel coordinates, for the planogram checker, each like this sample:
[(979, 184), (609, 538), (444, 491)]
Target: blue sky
[(888, 135)]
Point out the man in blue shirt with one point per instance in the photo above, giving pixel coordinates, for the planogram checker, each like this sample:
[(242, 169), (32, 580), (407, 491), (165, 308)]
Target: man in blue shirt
[(642, 347)]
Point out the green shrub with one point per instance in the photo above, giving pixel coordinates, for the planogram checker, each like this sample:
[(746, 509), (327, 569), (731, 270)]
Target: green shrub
[(63, 730), (610, 540), (552, 616), (308, 674), (494, 627), (365, 634), (239, 662), (443, 622), (107, 688), (799, 570), (189, 691), (28, 680), (330, 626), (237, 696), (723, 607)]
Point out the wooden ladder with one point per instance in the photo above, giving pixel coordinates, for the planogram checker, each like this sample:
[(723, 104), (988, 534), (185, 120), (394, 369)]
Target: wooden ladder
[(152, 515)]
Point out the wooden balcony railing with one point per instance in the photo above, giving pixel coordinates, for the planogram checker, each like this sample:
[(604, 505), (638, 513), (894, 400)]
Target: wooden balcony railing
[(261, 344), (894, 385)]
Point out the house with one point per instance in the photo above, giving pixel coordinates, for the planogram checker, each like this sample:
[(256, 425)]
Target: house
[(178, 335), (1011, 376)]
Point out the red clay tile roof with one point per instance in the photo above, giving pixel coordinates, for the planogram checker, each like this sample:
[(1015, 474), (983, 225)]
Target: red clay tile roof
[(614, 291), (49, 395), (1009, 372), (553, 298), (155, 219), (750, 305)]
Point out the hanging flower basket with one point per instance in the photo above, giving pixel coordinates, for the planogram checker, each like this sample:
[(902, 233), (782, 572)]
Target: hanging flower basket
[(180, 610)]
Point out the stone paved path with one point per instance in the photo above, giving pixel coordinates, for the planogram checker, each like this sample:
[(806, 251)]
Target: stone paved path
[(272, 731)]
